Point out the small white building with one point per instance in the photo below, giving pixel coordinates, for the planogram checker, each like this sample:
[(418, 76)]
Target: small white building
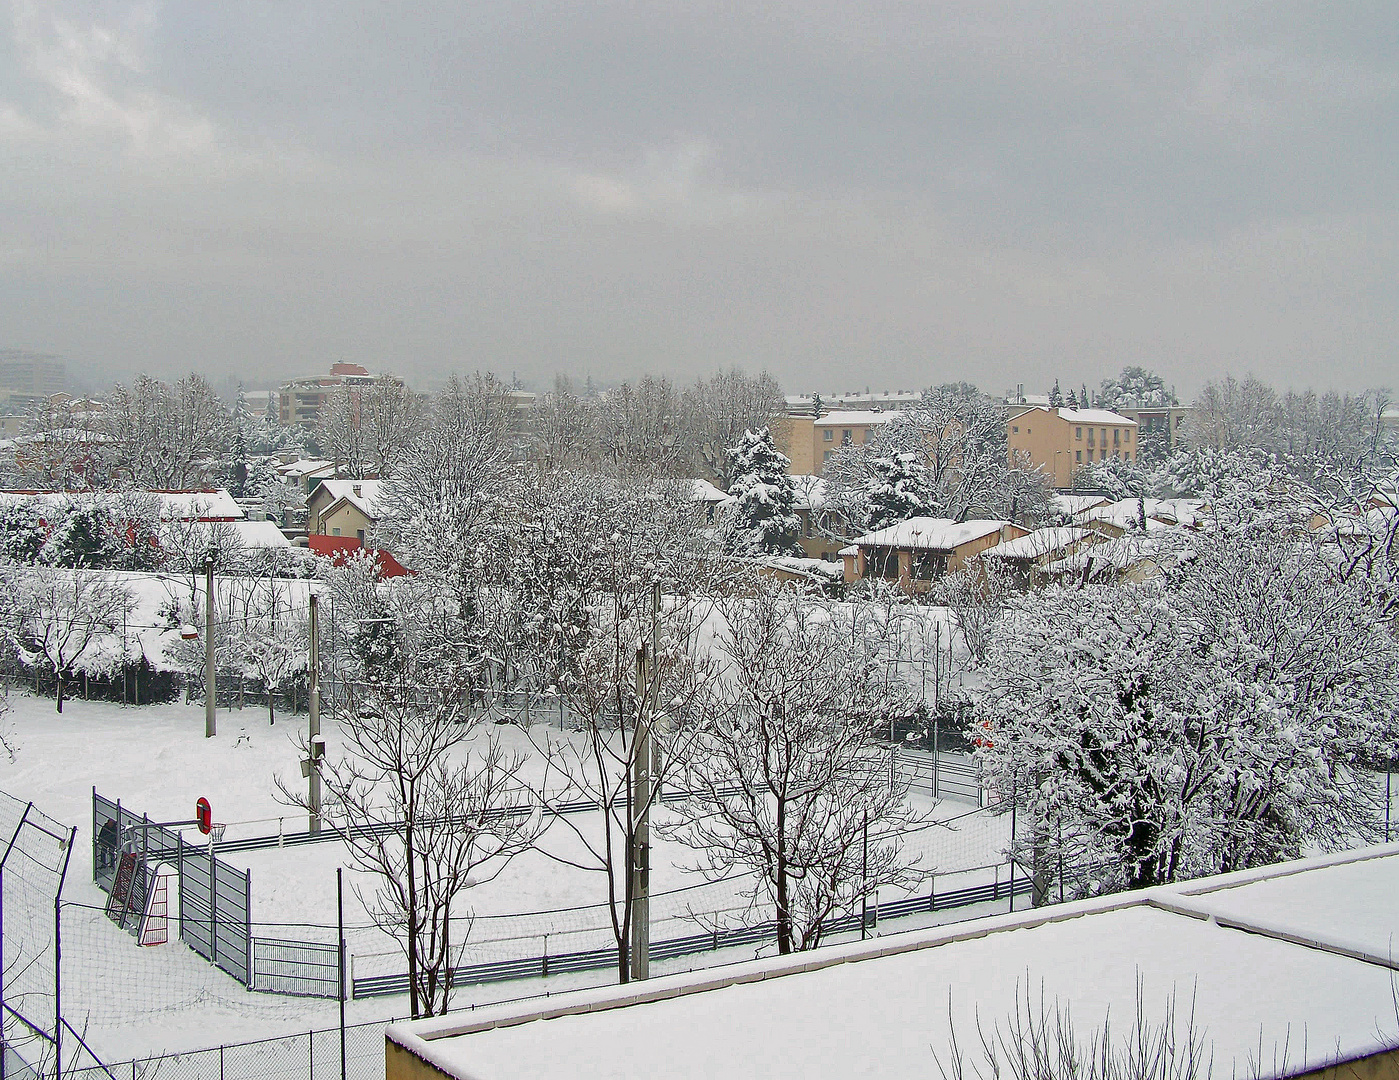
[(1283, 971)]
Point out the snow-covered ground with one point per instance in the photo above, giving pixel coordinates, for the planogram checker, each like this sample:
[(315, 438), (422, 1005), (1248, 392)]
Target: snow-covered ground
[(135, 1002)]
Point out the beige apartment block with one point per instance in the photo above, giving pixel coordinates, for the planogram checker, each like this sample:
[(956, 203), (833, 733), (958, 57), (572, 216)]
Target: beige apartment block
[(1061, 441)]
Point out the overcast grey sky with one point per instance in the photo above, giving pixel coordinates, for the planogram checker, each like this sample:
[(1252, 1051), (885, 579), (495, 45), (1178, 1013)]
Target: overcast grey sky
[(847, 194)]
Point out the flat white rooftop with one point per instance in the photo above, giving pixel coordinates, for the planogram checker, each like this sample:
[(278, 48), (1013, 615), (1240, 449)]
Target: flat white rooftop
[(1285, 995)]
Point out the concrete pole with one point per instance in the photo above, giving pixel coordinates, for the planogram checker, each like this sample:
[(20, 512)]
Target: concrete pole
[(641, 850), (210, 724), (314, 704)]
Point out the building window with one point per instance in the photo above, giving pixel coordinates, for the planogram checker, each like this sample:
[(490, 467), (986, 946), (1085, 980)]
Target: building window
[(1116, 436), (828, 435), (1104, 432), (928, 565), (1016, 428), (1127, 435), (334, 532), (359, 535), (1078, 455), (845, 439), (1078, 433)]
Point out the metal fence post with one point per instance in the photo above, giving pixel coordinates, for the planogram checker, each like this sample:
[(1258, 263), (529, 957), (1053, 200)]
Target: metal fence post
[(248, 926), (340, 957)]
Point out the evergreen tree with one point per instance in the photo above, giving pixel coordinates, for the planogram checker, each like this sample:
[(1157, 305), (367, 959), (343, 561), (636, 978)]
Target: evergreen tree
[(818, 407), (1056, 397), (1073, 398), (899, 488), (764, 519)]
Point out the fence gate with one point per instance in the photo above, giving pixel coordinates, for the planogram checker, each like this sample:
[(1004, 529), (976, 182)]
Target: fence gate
[(302, 968)]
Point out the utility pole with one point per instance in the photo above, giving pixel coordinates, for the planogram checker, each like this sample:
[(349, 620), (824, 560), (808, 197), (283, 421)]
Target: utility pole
[(314, 704), (641, 836), (210, 724)]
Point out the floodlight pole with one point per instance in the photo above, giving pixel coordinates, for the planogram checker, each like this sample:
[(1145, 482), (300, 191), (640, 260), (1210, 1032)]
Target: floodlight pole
[(644, 774), (210, 723), (314, 695)]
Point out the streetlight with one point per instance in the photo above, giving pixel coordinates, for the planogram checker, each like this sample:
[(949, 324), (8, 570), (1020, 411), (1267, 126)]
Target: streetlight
[(210, 723)]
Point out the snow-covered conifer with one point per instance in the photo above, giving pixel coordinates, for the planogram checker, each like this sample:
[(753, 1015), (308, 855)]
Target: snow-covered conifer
[(763, 517)]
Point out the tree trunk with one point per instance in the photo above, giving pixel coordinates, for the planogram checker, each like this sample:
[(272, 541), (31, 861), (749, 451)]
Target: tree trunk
[(58, 675), (784, 912)]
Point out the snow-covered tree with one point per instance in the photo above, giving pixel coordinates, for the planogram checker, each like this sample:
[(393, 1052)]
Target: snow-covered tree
[(161, 436), (67, 621), (1224, 719), (1135, 387), (788, 785), (718, 411), (23, 532), (763, 518), (591, 615), (1056, 396), (898, 488)]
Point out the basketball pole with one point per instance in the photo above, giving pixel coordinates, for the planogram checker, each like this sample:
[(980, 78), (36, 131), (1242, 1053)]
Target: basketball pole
[(314, 703)]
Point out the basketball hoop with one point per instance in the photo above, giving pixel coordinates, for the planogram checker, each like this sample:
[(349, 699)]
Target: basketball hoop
[(216, 832)]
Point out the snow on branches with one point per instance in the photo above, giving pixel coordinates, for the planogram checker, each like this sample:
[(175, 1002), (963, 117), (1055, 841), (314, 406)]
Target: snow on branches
[(763, 519), (1222, 718)]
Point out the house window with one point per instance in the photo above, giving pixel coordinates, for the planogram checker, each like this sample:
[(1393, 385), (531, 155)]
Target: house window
[(1078, 433), (1127, 435), (1105, 435), (1116, 436), (334, 532), (1078, 455), (828, 435), (1015, 428), (928, 565), (359, 535), (826, 456), (882, 562), (845, 439)]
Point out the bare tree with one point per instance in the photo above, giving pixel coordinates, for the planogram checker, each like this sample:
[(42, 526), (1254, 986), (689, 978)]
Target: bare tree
[(718, 411), (165, 437), (423, 801), (634, 587), (564, 429), (787, 782)]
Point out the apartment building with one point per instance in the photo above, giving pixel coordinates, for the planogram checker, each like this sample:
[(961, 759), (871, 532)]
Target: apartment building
[(300, 401), (1061, 441), (810, 442)]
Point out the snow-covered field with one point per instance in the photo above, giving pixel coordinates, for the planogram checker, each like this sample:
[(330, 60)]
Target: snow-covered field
[(157, 761)]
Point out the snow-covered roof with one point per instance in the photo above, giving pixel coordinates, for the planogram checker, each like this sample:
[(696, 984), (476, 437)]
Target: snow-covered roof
[(209, 505), (259, 535), (930, 534), (305, 467), (1083, 416), (705, 492), (1295, 963), (1073, 505), (1126, 513), (1096, 416), (213, 504), (856, 418), (363, 494), (1038, 543)]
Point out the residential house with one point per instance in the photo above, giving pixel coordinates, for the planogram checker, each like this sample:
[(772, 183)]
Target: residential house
[(1061, 441), (915, 552), (341, 519), (1027, 557)]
